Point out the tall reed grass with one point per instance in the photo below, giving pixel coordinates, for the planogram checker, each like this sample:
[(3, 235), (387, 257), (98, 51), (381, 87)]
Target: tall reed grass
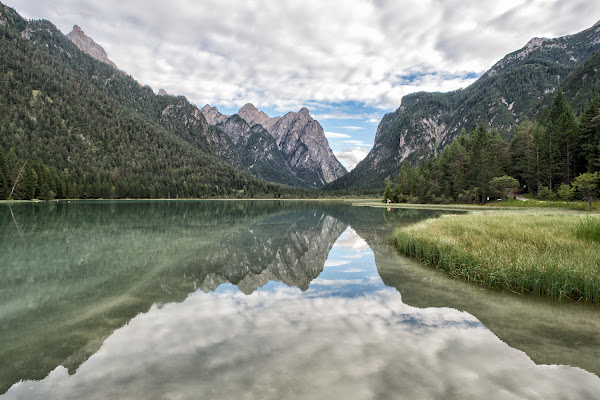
[(557, 256)]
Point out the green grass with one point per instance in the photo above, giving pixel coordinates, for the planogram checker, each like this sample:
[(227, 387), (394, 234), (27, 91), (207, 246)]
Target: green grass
[(589, 229), (555, 255)]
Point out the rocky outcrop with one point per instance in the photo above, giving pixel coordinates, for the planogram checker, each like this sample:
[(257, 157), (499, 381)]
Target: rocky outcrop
[(162, 92), (235, 127), (88, 46), (299, 138), (258, 151), (253, 116), (212, 115)]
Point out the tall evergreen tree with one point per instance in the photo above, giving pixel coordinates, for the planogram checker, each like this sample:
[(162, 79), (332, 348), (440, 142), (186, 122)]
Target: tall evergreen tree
[(562, 136), (590, 137)]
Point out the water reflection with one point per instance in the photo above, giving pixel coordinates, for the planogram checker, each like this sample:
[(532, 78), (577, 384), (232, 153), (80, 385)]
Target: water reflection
[(287, 301), (85, 269), (548, 332), (281, 344)]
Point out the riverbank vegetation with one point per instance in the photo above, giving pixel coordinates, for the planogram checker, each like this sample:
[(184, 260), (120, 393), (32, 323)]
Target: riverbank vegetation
[(551, 255)]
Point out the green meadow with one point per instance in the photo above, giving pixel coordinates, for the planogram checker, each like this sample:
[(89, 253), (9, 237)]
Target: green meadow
[(550, 254)]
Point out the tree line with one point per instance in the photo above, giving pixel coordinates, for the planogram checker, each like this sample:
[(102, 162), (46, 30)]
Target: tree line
[(549, 157)]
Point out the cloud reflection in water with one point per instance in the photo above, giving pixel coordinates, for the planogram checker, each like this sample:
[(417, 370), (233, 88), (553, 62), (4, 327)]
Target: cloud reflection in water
[(281, 343)]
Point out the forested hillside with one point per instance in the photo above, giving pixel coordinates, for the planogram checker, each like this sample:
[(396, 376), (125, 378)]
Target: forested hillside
[(548, 157), (78, 128)]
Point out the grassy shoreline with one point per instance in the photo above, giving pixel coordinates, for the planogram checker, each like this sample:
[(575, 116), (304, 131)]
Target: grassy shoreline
[(551, 255), (510, 204)]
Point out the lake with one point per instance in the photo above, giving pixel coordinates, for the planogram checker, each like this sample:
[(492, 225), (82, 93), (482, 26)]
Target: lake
[(264, 300)]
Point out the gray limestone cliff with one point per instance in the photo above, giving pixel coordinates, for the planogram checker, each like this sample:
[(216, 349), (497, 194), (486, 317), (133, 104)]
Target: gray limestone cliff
[(212, 115), (88, 46), (299, 138), (302, 141), (258, 151)]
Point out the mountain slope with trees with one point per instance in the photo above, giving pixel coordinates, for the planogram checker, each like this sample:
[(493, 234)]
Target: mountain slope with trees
[(78, 128), (551, 157), (425, 123)]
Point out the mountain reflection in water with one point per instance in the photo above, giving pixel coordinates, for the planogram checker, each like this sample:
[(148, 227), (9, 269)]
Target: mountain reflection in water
[(286, 302)]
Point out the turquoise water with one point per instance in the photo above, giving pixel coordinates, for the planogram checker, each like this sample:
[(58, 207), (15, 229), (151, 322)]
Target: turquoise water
[(265, 300)]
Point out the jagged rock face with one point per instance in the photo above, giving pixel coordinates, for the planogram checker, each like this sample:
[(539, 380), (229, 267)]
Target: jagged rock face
[(252, 116), (88, 46), (259, 146), (162, 92), (212, 115), (258, 151), (300, 139), (235, 127)]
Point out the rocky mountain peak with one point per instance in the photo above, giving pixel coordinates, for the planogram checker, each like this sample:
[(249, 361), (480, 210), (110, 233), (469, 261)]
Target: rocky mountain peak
[(299, 138), (161, 92), (212, 115), (253, 116), (249, 108), (88, 46), (302, 141)]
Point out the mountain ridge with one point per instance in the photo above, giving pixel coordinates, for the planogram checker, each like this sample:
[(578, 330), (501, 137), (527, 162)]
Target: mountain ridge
[(426, 122), (300, 139)]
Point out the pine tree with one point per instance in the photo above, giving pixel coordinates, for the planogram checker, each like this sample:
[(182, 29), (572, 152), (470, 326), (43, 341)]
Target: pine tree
[(478, 173), (562, 135)]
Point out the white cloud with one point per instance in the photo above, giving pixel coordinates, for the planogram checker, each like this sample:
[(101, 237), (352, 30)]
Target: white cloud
[(351, 156), (358, 143), (353, 128), (337, 282), (337, 116), (285, 54), (336, 263), (335, 135)]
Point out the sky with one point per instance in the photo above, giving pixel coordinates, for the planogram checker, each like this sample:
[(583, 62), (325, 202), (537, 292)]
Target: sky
[(348, 61)]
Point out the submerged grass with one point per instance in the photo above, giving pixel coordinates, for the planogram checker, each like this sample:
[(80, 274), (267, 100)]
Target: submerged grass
[(557, 256)]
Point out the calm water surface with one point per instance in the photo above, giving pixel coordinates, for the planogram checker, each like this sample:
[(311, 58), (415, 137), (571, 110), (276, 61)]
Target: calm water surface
[(264, 300)]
